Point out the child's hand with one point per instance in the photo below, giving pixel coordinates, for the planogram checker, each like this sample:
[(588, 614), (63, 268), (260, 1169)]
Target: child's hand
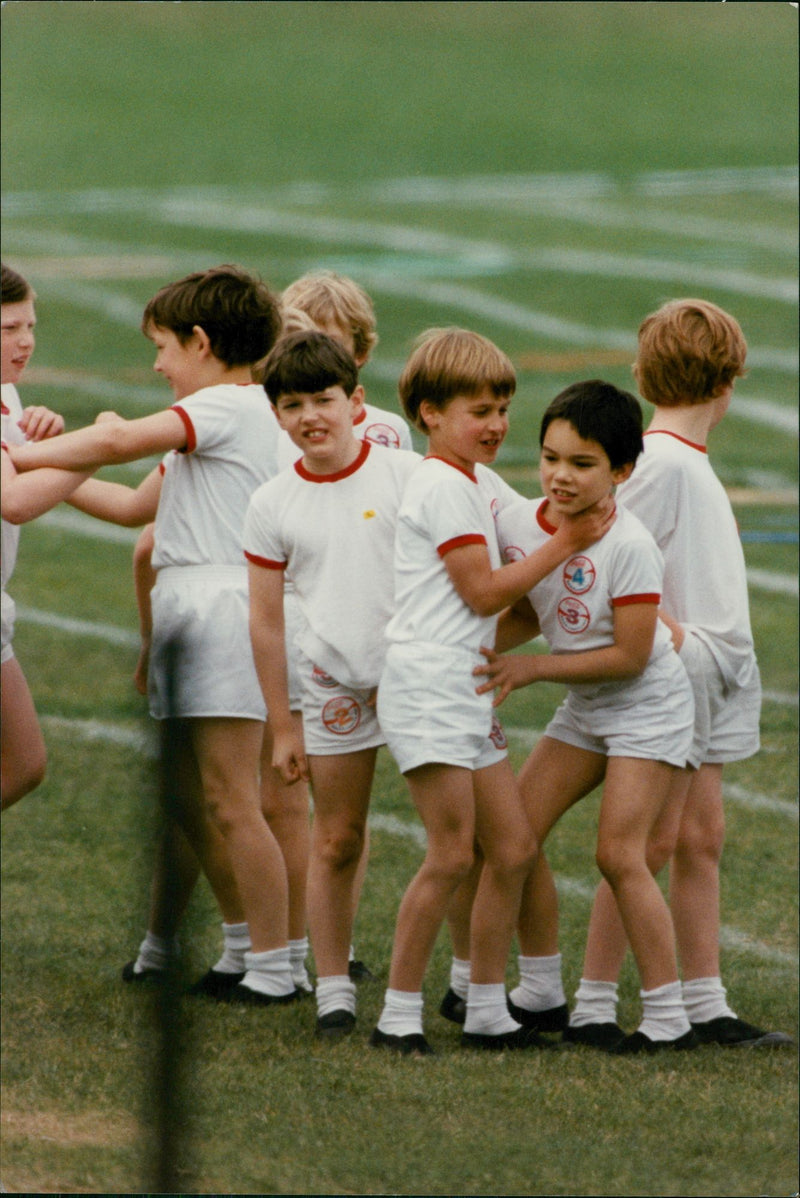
[(140, 673), (288, 758), (505, 674), (38, 423), (675, 628), (589, 526)]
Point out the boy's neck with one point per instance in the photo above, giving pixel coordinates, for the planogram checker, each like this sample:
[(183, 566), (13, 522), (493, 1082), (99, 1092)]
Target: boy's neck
[(693, 422)]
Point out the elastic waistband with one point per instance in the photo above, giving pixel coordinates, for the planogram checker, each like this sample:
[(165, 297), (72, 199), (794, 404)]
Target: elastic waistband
[(196, 573)]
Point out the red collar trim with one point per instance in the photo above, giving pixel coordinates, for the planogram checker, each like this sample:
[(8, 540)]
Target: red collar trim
[(6, 411), (434, 457), (542, 520), (361, 417), (355, 465), (684, 440)]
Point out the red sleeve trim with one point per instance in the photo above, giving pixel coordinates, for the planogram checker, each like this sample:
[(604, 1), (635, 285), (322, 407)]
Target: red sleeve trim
[(266, 562), (191, 437), (472, 538), (626, 600)]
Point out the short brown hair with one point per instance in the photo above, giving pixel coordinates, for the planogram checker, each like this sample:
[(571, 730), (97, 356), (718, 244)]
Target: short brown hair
[(15, 289), (332, 299), (689, 351), (307, 363), (450, 362), (238, 313)]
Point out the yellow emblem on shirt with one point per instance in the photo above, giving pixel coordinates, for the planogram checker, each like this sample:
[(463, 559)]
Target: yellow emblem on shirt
[(368, 514)]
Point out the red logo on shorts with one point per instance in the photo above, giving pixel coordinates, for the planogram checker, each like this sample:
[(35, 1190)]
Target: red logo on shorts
[(573, 616), (497, 736), (321, 678), (579, 575), (382, 434), (341, 715)]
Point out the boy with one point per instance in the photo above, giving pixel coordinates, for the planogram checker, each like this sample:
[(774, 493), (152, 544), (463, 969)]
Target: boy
[(328, 523), (450, 588), (208, 329), (689, 355), (628, 715)]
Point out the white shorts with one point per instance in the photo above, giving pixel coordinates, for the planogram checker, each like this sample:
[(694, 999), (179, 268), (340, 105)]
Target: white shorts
[(726, 721), (203, 612), (430, 713), (7, 614), (651, 716), (336, 718)]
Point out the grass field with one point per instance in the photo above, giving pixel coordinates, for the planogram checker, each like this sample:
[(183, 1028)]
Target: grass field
[(546, 173)]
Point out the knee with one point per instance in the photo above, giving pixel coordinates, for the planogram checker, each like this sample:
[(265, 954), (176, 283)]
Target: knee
[(701, 840), (517, 857), (25, 780), (616, 863), (340, 848), (660, 849)]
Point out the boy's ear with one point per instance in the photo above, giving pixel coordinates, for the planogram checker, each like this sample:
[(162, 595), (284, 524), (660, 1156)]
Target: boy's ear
[(203, 341), (428, 413), (621, 473)]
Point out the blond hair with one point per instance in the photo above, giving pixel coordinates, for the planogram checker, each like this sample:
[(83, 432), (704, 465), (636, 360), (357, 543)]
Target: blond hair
[(450, 362), (689, 352), (332, 300)]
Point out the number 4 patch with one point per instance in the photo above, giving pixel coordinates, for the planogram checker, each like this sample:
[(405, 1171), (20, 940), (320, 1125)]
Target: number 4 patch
[(579, 575)]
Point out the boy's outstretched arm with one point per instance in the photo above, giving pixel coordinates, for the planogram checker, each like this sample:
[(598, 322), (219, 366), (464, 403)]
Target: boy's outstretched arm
[(106, 443), (634, 630), (267, 636), (23, 497), (119, 504)]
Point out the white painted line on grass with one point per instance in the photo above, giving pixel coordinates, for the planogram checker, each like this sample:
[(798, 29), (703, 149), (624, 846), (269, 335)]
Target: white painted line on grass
[(103, 632), (67, 519), (777, 584)]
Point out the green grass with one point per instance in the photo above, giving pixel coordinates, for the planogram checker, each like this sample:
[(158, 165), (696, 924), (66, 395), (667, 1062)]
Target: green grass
[(546, 173)]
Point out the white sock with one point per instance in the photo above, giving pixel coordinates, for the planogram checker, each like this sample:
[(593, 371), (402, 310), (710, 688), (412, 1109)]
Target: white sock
[(663, 1013), (540, 986), (235, 943), (155, 952), (269, 972), (487, 1010), (335, 993), (704, 999), (298, 951), (595, 1002), (402, 1013), (459, 977)]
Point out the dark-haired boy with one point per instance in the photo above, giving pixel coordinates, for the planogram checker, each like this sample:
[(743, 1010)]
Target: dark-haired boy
[(208, 329), (628, 716), (328, 522)]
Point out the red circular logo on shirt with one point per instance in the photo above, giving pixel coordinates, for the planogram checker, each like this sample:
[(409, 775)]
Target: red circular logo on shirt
[(321, 678), (512, 553), (573, 616), (579, 575), (341, 715), (382, 434)]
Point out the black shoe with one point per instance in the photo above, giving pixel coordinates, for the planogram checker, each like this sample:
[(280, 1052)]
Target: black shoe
[(595, 1035), (357, 971), (215, 984), (411, 1045), (521, 1037), (453, 1007), (552, 1019), (732, 1032), (242, 994), (639, 1042), (335, 1024), (129, 974)]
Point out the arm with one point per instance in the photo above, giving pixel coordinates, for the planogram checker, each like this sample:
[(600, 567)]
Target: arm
[(144, 577), (23, 497), (38, 422), (517, 625), (488, 591), (107, 443), (267, 635), (675, 628), (626, 657), (118, 504)]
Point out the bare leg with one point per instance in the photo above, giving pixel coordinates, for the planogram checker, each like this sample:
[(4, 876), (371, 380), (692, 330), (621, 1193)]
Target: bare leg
[(23, 756), (694, 875), (286, 810), (341, 785)]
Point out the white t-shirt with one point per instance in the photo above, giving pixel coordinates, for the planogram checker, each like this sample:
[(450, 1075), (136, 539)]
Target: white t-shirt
[(575, 602), (232, 439), (334, 536), (677, 496), (372, 424), (10, 434), (444, 507)]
